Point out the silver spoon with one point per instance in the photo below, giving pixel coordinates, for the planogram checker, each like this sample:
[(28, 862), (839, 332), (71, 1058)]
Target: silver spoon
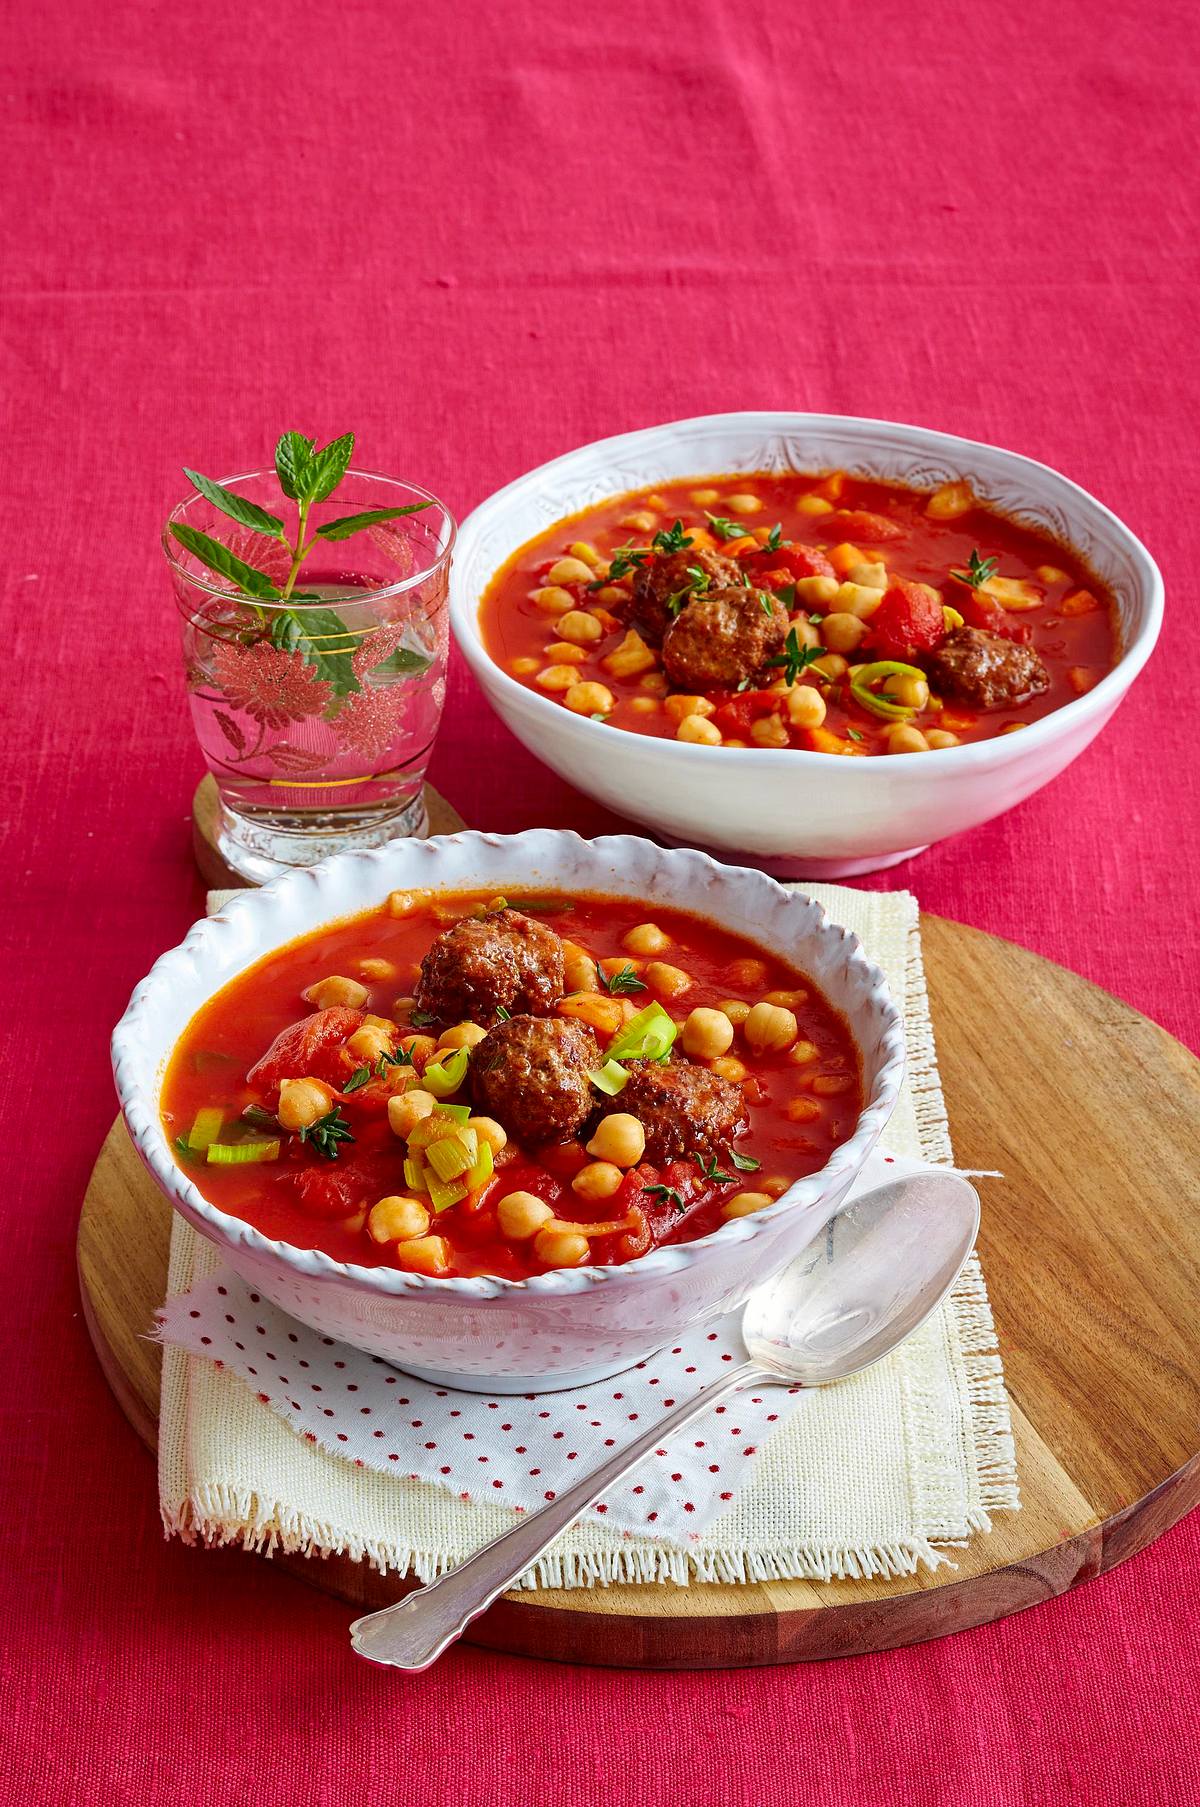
[(873, 1277)]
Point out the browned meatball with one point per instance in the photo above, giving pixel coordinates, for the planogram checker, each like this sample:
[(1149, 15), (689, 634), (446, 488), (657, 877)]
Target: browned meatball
[(531, 1074), (655, 582), (723, 637), (986, 671), (684, 1109), (485, 964)]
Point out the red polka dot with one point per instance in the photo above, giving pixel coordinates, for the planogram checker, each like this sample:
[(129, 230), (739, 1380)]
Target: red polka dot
[(714, 1468), (639, 1489), (650, 1517), (677, 1477), (727, 1496), (431, 1446), (497, 1483), (699, 1443), (444, 1470), (749, 1449), (601, 1508), (688, 1506), (549, 1493)]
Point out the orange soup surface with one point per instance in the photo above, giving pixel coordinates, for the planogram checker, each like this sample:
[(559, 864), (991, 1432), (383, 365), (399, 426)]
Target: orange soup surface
[(431, 1102), (832, 614)]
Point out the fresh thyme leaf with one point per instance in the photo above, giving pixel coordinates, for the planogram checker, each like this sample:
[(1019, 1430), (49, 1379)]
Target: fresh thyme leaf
[(503, 1015), (326, 469), (624, 560), (795, 658), (219, 558), (673, 539), (698, 582), (766, 605), (599, 716), (347, 524), (726, 529), (854, 734), (668, 1195), (710, 1171), (291, 462), (745, 1163), (327, 1133), (245, 513), (420, 1019), (399, 1058), (774, 538), (259, 1118), (622, 982), (979, 570), (360, 1077), (182, 1145)]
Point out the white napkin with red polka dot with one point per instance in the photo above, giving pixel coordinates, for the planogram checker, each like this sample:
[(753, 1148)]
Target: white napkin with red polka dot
[(271, 1434)]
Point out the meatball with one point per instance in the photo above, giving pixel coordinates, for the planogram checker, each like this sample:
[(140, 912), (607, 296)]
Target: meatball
[(531, 1074), (723, 637), (985, 670), (661, 578), (684, 1109), (483, 965)]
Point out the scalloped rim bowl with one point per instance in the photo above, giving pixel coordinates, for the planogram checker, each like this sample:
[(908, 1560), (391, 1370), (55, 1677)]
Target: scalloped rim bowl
[(831, 817), (558, 1329)]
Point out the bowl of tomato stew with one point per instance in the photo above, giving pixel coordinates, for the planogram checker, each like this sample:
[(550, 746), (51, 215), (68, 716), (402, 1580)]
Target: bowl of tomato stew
[(492, 1109), (811, 639)]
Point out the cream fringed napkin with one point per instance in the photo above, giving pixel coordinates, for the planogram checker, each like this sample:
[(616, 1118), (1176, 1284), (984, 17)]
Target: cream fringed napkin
[(870, 1478)]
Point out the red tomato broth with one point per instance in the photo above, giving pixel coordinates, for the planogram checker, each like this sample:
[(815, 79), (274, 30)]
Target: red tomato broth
[(1077, 649), (233, 1030)]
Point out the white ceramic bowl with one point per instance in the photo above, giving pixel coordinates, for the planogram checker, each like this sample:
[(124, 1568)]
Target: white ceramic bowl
[(799, 811), (558, 1329)]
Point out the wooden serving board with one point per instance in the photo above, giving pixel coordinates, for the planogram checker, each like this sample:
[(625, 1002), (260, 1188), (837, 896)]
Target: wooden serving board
[(1091, 1248)]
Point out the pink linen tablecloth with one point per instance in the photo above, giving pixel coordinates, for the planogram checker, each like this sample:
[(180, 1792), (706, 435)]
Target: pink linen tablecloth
[(479, 235)]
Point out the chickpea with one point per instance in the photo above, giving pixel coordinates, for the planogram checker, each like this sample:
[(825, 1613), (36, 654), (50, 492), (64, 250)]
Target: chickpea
[(699, 732), (774, 1187), (407, 1109), (803, 1054), (667, 981), (524, 666), (1050, 574), (801, 1110), (731, 1068), (902, 738), (830, 1085), (736, 1009), (620, 1139), (940, 737), (590, 699), (678, 706), (579, 627), (832, 666), (871, 577), (858, 599), (912, 692), (424, 1255), (641, 520), (367, 1044), (707, 1034), (569, 571), (705, 498), (377, 970), (379, 1022), (419, 1048), (557, 677), (769, 731), (821, 590), (750, 973), (579, 973), (522, 1214), (644, 705), (563, 652), (646, 938), (302, 1101), (950, 501), (806, 706), (401, 903), (463, 1035), (403, 1007), (326, 994), (790, 1000), (806, 631), (599, 1179), (742, 1204), (813, 505), (488, 1130), (608, 593), (743, 504), (631, 658), (770, 1029), (655, 684), (843, 633), (553, 599), (396, 1219), (560, 1248)]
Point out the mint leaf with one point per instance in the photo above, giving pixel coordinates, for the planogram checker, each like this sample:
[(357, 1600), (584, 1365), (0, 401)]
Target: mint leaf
[(402, 663), (246, 514), (292, 456), (323, 640), (371, 517), (326, 469), (220, 559)]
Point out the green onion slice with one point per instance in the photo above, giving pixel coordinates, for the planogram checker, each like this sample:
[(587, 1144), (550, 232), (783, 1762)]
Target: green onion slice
[(647, 1036), (881, 705), (238, 1154), (443, 1077), (610, 1078), (205, 1129)]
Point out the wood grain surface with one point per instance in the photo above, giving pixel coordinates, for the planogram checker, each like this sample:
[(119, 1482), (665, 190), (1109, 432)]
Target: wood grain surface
[(1091, 1248)]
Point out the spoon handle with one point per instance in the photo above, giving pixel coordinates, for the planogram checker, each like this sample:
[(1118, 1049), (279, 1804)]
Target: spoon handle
[(413, 1633)]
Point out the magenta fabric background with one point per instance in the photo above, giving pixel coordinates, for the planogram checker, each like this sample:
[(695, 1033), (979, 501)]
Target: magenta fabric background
[(479, 235)]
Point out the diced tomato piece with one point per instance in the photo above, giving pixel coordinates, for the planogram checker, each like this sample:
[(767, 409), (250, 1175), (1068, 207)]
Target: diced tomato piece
[(337, 1188), (774, 579), (806, 561), (908, 621), (858, 524), (980, 610), (309, 1049), (735, 716)]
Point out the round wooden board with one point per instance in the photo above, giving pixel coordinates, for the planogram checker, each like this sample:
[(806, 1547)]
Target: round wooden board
[(206, 823), (1090, 1246)]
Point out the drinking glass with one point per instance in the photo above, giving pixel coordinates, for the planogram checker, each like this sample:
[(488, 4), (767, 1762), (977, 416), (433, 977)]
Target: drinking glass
[(317, 718)]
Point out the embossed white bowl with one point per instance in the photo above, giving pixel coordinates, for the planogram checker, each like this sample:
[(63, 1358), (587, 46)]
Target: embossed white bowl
[(558, 1329), (799, 811)]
